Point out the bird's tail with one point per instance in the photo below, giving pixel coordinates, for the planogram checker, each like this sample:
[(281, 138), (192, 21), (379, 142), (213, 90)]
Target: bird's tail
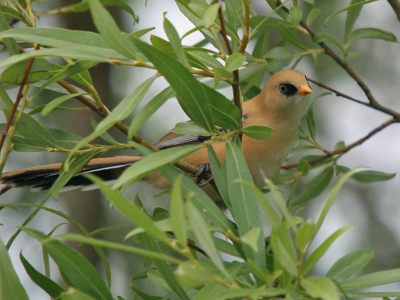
[(42, 178)]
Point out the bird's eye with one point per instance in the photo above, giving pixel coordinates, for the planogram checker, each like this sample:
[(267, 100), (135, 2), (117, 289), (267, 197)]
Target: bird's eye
[(287, 89)]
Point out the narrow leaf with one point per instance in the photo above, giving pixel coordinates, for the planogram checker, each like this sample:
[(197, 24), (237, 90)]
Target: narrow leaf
[(373, 279), (165, 269), (320, 287), (148, 110), (258, 132), (296, 14), (191, 95), (320, 251), (56, 102), (130, 211), (109, 30), (44, 282), (235, 61), (312, 15), (74, 267), (203, 236), (350, 264), (10, 285), (175, 42), (154, 161), (372, 33), (190, 128), (177, 213)]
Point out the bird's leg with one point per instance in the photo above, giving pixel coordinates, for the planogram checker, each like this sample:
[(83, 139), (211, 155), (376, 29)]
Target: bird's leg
[(205, 170)]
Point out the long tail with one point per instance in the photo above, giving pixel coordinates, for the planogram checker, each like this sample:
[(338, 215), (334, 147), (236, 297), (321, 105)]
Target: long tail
[(42, 178)]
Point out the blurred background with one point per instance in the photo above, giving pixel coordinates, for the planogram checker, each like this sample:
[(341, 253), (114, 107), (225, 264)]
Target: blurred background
[(373, 208)]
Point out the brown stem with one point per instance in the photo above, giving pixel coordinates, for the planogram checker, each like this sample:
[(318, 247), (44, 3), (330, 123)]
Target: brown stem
[(340, 94), (236, 81), (246, 28), (17, 100), (395, 4), (349, 147)]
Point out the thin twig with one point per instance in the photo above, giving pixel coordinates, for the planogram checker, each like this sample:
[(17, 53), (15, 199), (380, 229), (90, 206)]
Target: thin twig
[(246, 28), (340, 94), (17, 100), (236, 81), (349, 147)]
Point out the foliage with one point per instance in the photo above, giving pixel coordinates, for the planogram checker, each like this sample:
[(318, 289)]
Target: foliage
[(277, 267)]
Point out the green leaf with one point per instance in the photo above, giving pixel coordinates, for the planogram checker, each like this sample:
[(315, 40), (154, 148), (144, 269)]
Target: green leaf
[(74, 168), (320, 287), (312, 15), (251, 238), (9, 43), (350, 264), (154, 161), (105, 136), (66, 73), (120, 112), (326, 38), (373, 294), (165, 269), (235, 61), (56, 102), (296, 14), (203, 236), (371, 33), (258, 132), (283, 249), (320, 251), (190, 128), (84, 41), (109, 30), (74, 294), (288, 36), (245, 207), (74, 267), (177, 213), (369, 175), (149, 109), (333, 194), (210, 15), (353, 12), (84, 6), (245, 292), (316, 186), (224, 112), (44, 282), (130, 211), (373, 279), (173, 37), (41, 68), (10, 285), (191, 95), (269, 210), (195, 277), (278, 58), (31, 129), (305, 235)]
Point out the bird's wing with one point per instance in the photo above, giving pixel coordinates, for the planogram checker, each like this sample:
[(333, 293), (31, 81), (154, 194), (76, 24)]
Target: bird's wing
[(172, 139)]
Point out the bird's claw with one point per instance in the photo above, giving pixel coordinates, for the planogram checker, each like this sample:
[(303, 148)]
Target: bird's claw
[(205, 169)]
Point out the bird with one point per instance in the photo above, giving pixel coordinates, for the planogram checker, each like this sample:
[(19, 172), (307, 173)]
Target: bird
[(280, 105)]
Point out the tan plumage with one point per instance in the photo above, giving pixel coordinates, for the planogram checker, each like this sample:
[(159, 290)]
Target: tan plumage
[(280, 105)]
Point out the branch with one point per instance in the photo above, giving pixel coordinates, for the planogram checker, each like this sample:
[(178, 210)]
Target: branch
[(349, 147), (235, 84), (379, 107), (395, 4), (14, 109)]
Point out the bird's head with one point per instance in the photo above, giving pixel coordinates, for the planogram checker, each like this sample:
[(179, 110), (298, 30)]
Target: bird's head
[(287, 92)]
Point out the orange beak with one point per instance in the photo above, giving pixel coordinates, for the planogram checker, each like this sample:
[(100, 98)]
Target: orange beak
[(304, 90)]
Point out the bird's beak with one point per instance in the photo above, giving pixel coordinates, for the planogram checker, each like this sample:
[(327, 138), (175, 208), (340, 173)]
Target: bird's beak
[(304, 90)]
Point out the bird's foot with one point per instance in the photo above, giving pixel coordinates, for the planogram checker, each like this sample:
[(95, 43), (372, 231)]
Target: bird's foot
[(203, 174)]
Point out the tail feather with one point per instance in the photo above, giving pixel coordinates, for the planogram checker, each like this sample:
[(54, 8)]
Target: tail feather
[(42, 178)]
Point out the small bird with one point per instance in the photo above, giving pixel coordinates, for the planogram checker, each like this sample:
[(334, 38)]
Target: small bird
[(280, 105)]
